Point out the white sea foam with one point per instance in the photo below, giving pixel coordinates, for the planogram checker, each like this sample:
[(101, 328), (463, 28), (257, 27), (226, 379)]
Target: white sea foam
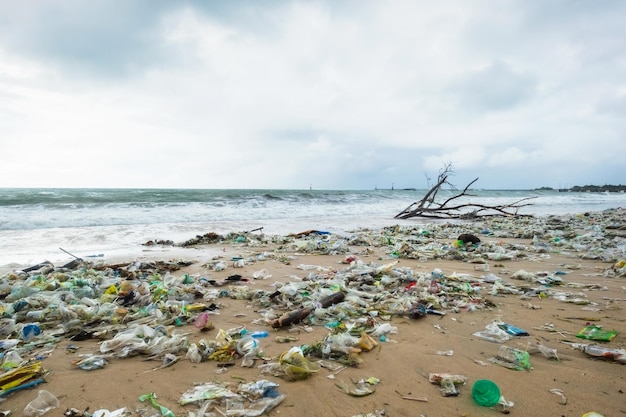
[(34, 224)]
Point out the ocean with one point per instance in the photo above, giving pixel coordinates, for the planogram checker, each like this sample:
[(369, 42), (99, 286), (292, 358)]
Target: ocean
[(39, 224)]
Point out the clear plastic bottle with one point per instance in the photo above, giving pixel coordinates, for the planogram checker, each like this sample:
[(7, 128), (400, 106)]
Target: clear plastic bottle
[(518, 359), (618, 355)]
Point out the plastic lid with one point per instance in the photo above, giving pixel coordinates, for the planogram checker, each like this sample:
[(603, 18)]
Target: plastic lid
[(485, 393)]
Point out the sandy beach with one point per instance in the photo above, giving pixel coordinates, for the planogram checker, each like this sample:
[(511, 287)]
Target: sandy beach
[(552, 282)]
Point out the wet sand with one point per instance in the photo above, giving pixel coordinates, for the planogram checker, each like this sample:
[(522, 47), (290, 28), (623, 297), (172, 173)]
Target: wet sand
[(402, 363)]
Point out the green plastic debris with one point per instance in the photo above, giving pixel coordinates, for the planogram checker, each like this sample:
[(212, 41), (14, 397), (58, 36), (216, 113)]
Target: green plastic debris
[(593, 332), (165, 412)]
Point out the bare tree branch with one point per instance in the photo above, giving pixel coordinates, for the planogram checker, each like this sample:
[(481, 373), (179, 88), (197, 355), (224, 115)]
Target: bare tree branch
[(428, 207)]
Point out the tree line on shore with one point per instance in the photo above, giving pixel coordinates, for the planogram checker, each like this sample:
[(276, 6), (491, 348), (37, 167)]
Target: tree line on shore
[(591, 188)]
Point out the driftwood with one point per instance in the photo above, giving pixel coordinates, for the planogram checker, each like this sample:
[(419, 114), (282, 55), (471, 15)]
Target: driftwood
[(297, 316), (428, 207)]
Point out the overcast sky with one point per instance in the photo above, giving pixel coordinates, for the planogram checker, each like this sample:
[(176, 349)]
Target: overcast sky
[(328, 94)]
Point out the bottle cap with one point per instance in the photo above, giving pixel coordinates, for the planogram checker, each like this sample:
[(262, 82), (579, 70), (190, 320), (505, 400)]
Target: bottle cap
[(485, 393)]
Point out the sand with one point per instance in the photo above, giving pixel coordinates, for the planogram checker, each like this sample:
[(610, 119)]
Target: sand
[(401, 364)]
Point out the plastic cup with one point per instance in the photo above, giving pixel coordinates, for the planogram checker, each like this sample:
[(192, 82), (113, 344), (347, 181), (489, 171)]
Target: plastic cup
[(44, 402), (485, 393)]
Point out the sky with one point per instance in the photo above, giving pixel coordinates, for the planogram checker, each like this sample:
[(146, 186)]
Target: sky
[(323, 94)]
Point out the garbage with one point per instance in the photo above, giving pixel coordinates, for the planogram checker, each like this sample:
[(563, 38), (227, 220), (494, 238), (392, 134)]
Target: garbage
[(151, 398), (466, 238), (91, 362), (207, 391), (295, 366), (360, 389), (448, 383), (299, 315), (512, 358), (203, 322), (139, 308), (250, 399), (559, 392), (44, 402), (593, 332), (548, 352), (485, 393), (25, 376), (512, 330), (494, 333), (98, 413), (597, 351)]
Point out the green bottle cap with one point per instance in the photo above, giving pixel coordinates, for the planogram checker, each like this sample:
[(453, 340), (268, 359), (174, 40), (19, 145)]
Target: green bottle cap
[(485, 393)]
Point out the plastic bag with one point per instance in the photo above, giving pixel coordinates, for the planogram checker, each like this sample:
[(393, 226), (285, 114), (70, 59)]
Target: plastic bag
[(593, 332), (295, 365), (493, 333), (193, 354)]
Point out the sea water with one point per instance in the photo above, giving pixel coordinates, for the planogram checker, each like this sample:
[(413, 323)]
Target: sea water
[(40, 224)]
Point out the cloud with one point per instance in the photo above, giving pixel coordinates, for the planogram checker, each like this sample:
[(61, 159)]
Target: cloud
[(286, 94), (496, 87)]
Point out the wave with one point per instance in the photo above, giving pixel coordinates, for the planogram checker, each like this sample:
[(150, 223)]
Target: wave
[(62, 208)]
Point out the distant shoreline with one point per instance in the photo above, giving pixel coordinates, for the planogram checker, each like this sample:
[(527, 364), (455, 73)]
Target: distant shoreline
[(590, 189)]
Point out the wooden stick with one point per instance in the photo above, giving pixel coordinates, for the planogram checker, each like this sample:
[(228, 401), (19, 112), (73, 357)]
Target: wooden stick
[(424, 400)]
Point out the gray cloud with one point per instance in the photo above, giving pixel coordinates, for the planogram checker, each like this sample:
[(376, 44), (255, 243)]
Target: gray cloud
[(497, 87), (351, 94)]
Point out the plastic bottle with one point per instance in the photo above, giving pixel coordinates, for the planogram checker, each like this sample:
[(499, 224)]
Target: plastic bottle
[(618, 355), (519, 359), (91, 363), (436, 274), (259, 334)]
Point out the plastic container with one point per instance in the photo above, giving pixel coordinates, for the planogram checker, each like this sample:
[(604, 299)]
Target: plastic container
[(246, 345), (485, 393), (512, 330), (519, 359), (618, 355), (259, 334), (44, 402)]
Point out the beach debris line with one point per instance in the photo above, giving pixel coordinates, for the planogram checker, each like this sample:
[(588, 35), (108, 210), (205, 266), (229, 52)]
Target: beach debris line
[(429, 207)]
